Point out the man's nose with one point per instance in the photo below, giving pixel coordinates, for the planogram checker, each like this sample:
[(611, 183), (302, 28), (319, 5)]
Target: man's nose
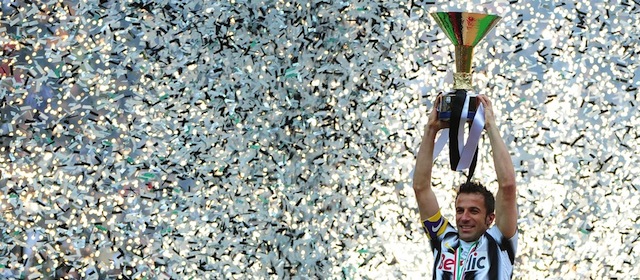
[(465, 216)]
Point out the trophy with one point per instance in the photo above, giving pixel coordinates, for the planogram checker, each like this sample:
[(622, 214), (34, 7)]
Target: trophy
[(465, 30)]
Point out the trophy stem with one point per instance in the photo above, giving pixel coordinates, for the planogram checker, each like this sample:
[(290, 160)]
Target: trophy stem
[(462, 79), (464, 55)]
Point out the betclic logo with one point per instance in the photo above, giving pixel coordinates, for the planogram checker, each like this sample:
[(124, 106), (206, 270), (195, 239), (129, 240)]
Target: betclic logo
[(477, 261)]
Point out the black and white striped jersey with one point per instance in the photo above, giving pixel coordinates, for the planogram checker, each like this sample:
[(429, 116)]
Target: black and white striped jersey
[(490, 257)]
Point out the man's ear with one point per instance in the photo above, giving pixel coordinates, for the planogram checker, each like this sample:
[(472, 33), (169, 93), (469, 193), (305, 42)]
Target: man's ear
[(490, 219)]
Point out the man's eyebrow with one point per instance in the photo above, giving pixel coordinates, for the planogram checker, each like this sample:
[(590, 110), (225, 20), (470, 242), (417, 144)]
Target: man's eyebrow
[(470, 208)]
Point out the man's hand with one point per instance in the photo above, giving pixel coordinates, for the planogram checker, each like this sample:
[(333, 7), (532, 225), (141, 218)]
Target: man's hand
[(489, 116), (434, 124)]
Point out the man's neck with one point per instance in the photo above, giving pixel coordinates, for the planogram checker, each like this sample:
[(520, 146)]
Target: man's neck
[(466, 245)]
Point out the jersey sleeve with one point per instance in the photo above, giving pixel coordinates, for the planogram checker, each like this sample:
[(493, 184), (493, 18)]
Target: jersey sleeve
[(507, 245), (435, 226)]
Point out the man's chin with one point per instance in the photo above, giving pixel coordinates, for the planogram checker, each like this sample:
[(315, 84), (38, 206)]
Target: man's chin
[(467, 236)]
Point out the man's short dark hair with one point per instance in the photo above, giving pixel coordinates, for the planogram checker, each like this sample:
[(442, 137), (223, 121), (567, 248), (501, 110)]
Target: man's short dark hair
[(473, 187)]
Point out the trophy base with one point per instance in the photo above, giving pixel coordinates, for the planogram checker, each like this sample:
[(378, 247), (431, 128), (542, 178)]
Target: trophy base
[(446, 116), (446, 103)]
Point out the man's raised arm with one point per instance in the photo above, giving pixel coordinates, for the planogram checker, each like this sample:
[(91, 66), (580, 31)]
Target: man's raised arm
[(427, 201), (506, 208)]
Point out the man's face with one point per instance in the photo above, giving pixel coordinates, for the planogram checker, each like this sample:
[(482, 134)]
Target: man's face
[(471, 216)]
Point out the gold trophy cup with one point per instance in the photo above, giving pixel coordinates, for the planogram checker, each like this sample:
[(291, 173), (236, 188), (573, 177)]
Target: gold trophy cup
[(465, 30)]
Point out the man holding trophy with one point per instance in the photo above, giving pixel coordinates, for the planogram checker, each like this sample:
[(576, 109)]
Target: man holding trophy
[(474, 249)]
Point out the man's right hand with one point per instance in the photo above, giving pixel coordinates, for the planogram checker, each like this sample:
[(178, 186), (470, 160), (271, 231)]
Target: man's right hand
[(434, 124)]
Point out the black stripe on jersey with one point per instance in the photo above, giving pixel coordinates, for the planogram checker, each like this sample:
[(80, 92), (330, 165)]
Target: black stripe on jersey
[(437, 259), (471, 275), (435, 246), (505, 245), (492, 252)]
